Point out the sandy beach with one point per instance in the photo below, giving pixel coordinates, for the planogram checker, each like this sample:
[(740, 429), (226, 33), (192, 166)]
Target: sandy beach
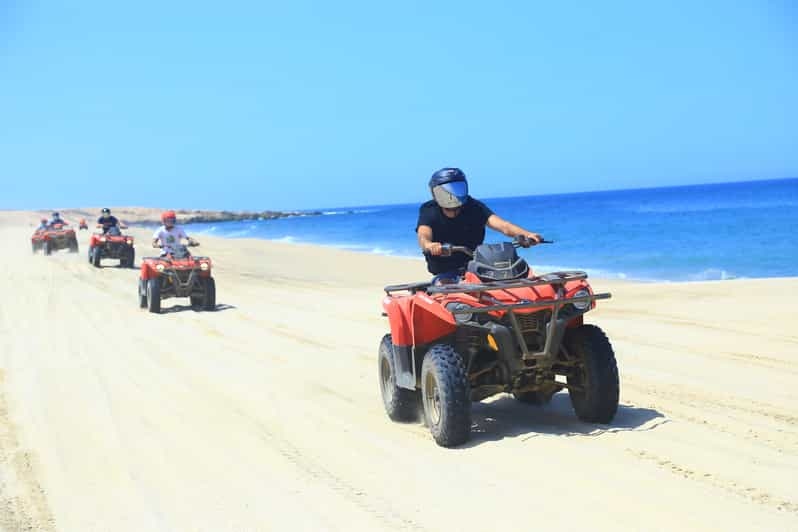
[(266, 414)]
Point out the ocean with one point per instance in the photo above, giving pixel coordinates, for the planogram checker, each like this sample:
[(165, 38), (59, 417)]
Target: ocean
[(686, 233)]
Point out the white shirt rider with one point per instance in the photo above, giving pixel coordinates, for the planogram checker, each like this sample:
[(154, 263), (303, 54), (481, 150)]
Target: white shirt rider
[(169, 235)]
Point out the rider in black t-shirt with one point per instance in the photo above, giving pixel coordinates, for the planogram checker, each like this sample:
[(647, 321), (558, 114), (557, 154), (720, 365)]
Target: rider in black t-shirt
[(454, 217), (106, 221)]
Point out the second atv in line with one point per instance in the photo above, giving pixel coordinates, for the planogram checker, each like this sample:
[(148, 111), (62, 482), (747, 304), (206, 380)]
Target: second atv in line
[(112, 245)]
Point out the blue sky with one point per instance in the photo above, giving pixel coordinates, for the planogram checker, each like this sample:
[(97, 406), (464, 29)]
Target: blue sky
[(317, 104)]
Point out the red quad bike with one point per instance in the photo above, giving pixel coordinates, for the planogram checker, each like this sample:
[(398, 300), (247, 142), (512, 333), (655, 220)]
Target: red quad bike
[(500, 329), (53, 239), (176, 274), (112, 245)]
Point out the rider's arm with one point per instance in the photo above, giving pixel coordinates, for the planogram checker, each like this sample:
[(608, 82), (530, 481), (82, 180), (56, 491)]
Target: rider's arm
[(425, 241), (156, 242), (182, 234), (497, 223)]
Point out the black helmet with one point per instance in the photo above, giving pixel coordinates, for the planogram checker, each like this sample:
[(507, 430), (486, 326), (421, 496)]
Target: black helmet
[(449, 188), (106, 210), (56, 215)]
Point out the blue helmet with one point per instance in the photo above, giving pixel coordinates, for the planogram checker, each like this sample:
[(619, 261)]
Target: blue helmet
[(449, 188)]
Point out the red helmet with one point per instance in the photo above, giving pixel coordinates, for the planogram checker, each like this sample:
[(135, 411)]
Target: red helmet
[(167, 215), (44, 220)]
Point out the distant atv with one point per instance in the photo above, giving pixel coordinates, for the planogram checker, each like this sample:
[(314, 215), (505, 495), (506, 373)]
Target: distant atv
[(54, 238), (177, 274), (112, 245), (500, 329)]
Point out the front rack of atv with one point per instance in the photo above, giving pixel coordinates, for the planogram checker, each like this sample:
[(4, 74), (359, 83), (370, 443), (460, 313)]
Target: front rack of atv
[(556, 279), (458, 288)]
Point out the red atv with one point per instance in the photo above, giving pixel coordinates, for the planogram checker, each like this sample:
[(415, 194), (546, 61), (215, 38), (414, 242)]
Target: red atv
[(83, 225), (177, 274), (500, 329), (112, 245), (54, 238)]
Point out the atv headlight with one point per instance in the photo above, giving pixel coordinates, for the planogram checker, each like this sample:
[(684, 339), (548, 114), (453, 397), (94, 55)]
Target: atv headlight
[(130, 242), (159, 267), (460, 316), (582, 305), (103, 239), (204, 266)]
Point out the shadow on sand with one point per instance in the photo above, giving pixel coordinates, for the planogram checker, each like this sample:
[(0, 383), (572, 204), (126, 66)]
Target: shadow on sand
[(508, 418), (184, 308)]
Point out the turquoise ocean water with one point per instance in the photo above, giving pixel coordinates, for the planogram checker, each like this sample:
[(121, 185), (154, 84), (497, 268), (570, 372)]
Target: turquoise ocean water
[(700, 232)]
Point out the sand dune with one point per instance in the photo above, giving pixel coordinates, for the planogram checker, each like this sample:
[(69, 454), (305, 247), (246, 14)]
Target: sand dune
[(266, 414)]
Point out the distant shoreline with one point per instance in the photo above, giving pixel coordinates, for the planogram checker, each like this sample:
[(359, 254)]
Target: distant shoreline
[(150, 216), (196, 217)]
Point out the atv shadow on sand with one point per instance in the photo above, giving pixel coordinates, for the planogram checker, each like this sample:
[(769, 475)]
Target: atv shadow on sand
[(184, 308), (507, 418)]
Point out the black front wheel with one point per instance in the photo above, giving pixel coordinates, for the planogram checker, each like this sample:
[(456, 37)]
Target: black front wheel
[(595, 382), (209, 298), (446, 396), (401, 404), (47, 248), (129, 258), (95, 258), (154, 295), (142, 293)]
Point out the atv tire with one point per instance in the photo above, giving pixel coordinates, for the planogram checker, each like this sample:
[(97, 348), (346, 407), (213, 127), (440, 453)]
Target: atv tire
[(129, 259), (46, 247), (142, 293), (596, 374), (446, 396), (209, 298), (533, 398), (400, 404), (91, 253), (73, 246), (95, 258), (154, 295)]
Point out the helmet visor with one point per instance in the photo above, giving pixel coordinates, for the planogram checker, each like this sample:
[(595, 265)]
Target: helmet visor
[(451, 195)]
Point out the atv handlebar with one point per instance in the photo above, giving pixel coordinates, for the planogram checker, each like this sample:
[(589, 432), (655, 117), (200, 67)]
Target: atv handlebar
[(448, 249), (191, 244)]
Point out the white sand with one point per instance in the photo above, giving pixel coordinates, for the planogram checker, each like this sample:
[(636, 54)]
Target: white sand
[(267, 415)]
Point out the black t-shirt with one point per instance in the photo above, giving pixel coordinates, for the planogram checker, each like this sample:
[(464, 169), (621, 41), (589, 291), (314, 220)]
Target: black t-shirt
[(107, 222), (467, 229)]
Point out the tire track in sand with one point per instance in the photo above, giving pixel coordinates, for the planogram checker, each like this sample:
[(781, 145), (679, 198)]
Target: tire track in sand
[(23, 504), (751, 494)]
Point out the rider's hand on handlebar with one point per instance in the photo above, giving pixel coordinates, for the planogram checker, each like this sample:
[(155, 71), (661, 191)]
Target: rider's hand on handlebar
[(434, 248), (526, 240)]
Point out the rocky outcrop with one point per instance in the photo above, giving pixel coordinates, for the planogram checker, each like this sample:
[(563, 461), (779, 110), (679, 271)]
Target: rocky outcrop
[(192, 217)]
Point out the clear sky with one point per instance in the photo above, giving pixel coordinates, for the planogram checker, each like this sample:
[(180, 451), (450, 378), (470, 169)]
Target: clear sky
[(301, 104)]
